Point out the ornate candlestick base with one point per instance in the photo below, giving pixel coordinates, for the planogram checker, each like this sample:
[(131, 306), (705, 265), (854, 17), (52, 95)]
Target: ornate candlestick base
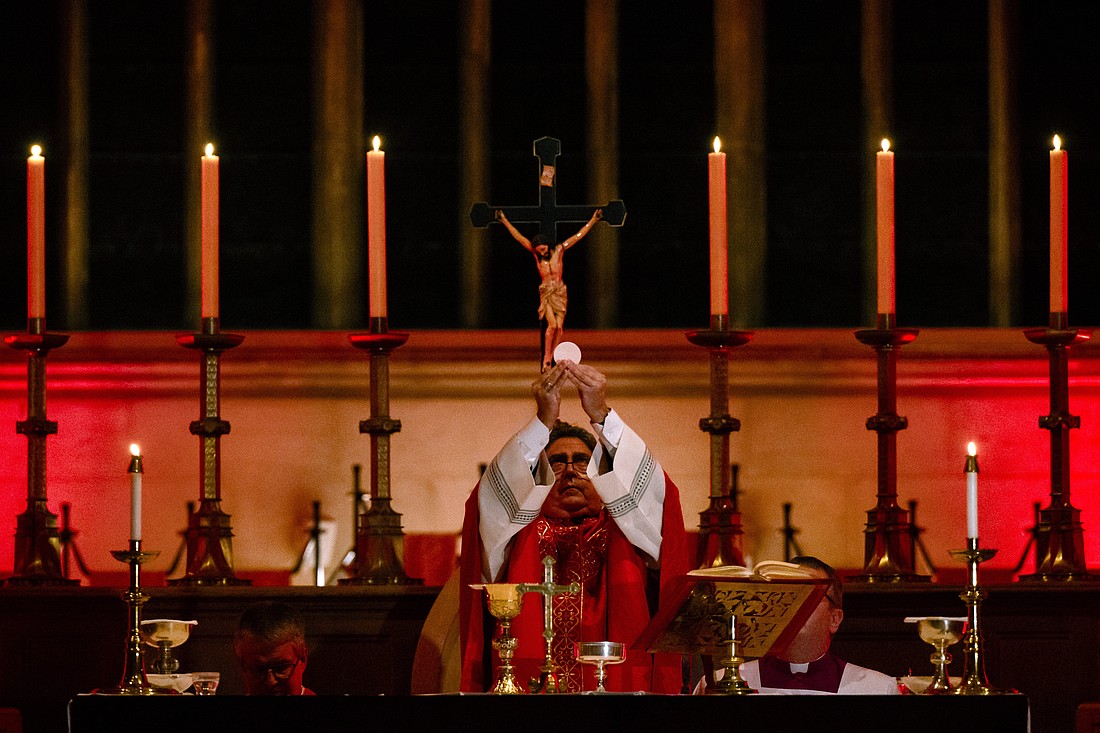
[(732, 683), (209, 535), (134, 681), (974, 680), (1059, 536), (37, 541), (888, 537), (380, 539), (720, 523)]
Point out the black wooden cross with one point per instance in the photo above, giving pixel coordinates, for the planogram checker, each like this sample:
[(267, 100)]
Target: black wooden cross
[(548, 214)]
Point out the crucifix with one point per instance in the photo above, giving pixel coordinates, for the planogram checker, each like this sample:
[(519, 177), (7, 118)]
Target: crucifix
[(547, 681), (546, 247)]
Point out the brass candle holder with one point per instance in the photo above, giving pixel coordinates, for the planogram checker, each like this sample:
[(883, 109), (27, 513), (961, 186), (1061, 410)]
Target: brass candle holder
[(134, 680), (209, 535), (732, 683), (720, 523), (888, 539), (379, 537), (37, 541), (1059, 537), (974, 679)]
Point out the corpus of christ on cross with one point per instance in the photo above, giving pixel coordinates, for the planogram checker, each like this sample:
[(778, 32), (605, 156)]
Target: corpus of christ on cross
[(546, 247)]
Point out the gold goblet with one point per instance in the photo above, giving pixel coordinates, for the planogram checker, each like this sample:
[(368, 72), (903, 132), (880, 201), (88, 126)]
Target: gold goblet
[(941, 632), (505, 602), (601, 654)]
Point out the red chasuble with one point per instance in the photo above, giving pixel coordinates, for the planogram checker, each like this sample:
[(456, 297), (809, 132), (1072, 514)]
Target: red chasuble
[(612, 605)]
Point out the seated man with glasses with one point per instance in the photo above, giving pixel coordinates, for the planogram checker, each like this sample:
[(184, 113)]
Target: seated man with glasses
[(808, 664), (603, 510), (271, 649)]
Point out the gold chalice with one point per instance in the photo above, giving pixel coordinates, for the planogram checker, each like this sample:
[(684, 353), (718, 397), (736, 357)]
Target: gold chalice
[(941, 632), (505, 602), (601, 654)]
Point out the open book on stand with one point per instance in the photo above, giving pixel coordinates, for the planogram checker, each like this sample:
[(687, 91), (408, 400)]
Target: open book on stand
[(769, 601)]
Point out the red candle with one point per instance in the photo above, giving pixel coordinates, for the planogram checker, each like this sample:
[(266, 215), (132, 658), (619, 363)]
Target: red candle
[(719, 247), (376, 228), (884, 186), (210, 217), (36, 234), (1059, 230)]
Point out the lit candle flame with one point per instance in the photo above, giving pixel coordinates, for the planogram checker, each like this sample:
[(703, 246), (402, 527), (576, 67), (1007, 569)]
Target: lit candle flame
[(1057, 143), (717, 144), (209, 149), (135, 450), (377, 143), (971, 448), (36, 151), (885, 145)]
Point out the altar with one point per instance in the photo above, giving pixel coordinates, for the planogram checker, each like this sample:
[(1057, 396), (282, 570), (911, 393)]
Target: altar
[(637, 713)]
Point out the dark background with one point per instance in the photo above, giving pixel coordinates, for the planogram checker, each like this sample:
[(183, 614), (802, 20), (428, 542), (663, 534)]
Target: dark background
[(814, 157)]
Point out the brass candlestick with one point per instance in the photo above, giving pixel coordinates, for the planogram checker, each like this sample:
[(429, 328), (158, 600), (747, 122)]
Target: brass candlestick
[(888, 539), (732, 683), (1059, 537), (209, 535), (720, 523), (134, 681), (974, 680), (380, 540), (37, 542)]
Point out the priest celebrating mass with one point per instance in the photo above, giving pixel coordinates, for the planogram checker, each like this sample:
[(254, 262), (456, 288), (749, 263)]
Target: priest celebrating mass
[(607, 515)]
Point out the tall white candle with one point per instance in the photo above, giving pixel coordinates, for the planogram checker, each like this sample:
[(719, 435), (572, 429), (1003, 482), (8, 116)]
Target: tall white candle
[(971, 491), (210, 223), (1059, 227), (884, 188), (719, 240), (135, 471), (376, 228), (36, 234)]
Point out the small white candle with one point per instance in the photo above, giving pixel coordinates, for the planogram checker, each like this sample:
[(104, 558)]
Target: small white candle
[(135, 492), (971, 491)]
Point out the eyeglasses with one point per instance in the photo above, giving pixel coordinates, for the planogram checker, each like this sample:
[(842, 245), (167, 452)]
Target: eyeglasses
[(579, 463), (280, 670), (829, 598)]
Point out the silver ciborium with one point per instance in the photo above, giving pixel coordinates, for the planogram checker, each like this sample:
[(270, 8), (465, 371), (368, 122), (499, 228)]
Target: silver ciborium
[(941, 632), (505, 601), (165, 634), (600, 654)]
